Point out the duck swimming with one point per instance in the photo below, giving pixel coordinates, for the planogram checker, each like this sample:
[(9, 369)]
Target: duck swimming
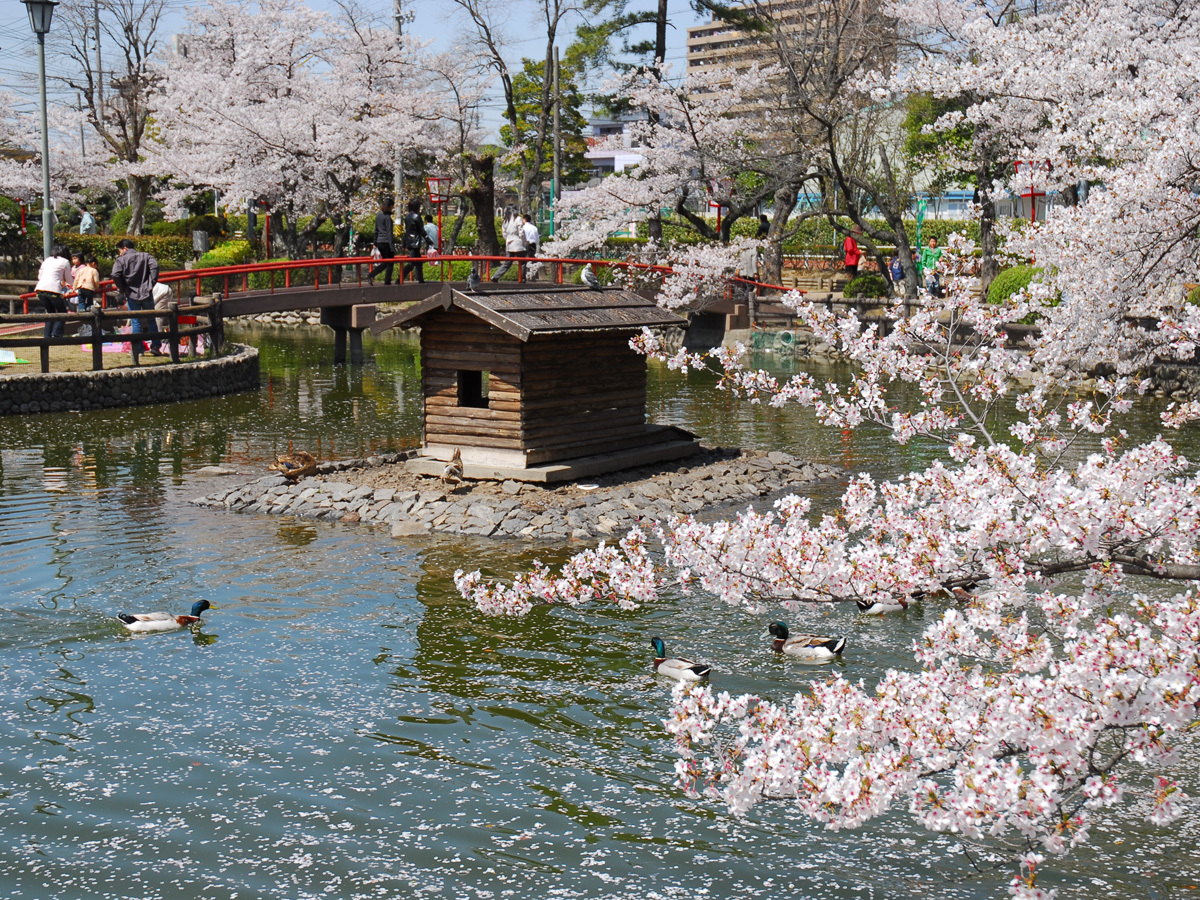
[(808, 647), (679, 669), (162, 621), (882, 607)]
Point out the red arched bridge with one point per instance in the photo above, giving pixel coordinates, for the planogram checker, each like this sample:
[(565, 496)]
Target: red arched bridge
[(342, 290)]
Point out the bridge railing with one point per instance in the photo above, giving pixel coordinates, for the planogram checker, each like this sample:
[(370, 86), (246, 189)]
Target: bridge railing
[(330, 272)]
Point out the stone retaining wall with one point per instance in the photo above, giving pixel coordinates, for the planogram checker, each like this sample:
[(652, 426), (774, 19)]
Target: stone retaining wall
[(380, 491), (187, 380)]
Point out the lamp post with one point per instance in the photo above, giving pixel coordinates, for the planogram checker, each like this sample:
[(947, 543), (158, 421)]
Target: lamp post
[(40, 14)]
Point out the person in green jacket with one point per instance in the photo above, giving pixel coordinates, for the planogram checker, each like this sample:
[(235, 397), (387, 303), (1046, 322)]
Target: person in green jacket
[(928, 265)]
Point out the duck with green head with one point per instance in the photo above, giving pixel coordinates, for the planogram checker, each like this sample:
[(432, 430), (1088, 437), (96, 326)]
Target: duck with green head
[(679, 669), (143, 623), (808, 647)]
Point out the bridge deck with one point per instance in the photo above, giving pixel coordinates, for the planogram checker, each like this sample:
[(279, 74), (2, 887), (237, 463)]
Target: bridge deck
[(253, 303)]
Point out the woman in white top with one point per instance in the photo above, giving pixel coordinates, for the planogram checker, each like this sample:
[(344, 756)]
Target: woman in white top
[(514, 243), (54, 280)]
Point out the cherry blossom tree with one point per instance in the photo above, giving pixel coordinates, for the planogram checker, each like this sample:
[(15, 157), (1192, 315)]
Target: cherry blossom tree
[(792, 113), (1061, 678), (490, 34), (456, 77), (19, 176), (273, 100), (119, 101)]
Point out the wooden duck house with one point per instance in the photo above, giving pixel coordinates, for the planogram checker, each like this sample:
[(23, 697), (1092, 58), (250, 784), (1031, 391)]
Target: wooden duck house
[(539, 383)]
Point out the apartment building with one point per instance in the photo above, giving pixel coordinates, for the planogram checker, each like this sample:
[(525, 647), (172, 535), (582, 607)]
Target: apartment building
[(717, 43)]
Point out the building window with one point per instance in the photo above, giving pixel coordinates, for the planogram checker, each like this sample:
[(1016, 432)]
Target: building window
[(473, 388)]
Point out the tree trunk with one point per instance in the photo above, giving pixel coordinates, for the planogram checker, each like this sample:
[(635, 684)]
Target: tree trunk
[(481, 191), (139, 193), (989, 265), (891, 205), (448, 244), (785, 204), (341, 235), (654, 227)]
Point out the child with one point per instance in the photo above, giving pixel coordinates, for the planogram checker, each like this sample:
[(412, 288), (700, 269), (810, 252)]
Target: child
[(76, 265), (86, 282)]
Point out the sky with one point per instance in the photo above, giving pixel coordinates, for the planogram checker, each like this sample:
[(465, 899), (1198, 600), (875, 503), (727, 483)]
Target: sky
[(18, 46)]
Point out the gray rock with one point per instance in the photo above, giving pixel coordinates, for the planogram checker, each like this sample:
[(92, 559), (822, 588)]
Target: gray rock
[(511, 487), (409, 528)]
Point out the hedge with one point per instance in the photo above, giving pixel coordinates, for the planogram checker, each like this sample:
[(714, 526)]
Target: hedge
[(150, 215), (215, 226), (171, 252)]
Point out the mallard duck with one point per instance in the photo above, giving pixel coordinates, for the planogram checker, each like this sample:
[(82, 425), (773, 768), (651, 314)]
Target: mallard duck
[(882, 607), (679, 669), (295, 464), (161, 621), (809, 647), (453, 472)]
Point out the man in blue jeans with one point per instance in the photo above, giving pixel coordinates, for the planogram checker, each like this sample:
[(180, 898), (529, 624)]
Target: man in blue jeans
[(135, 273)]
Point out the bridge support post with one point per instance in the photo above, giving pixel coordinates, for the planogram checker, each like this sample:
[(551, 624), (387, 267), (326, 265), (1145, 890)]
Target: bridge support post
[(339, 345), (348, 322)]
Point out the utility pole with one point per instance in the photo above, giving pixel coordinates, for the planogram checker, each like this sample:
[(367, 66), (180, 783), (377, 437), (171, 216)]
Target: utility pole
[(99, 68), (400, 18), (556, 180)]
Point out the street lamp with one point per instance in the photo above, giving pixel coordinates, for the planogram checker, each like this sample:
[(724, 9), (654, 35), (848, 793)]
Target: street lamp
[(40, 14)]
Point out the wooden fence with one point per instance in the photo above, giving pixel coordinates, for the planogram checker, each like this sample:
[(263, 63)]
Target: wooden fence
[(12, 289), (182, 322)]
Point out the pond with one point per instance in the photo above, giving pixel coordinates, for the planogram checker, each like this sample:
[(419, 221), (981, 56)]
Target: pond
[(344, 725)]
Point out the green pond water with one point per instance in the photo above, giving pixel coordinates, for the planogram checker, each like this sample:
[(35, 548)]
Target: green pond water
[(346, 726)]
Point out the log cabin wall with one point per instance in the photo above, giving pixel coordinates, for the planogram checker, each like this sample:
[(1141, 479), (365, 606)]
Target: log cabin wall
[(582, 393), (455, 344)]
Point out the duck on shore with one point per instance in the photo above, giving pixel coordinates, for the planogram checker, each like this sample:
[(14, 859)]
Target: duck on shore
[(295, 464), (452, 474)]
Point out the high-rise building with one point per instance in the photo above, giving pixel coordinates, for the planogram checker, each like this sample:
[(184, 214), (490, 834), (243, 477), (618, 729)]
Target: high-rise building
[(855, 26)]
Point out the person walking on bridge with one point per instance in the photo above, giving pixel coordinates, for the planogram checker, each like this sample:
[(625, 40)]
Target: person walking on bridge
[(533, 243), (514, 243), (414, 241), (385, 241)]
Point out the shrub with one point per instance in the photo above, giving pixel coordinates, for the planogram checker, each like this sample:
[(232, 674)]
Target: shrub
[(230, 253), (1010, 281), (120, 220), (215, 226), (869, 284)]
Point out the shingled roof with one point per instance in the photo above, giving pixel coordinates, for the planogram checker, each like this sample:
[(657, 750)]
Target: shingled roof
[(525, 313)]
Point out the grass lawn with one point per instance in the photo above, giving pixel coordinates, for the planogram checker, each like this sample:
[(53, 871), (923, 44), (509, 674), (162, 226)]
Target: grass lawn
[(74, 359)]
